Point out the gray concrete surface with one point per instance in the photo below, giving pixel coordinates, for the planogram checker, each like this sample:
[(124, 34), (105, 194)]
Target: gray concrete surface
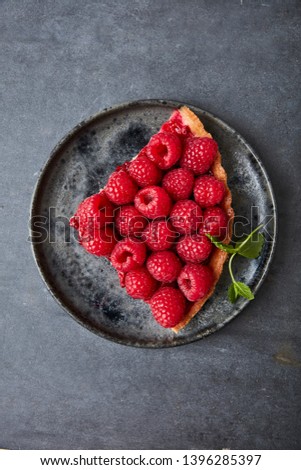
[(63, 387)]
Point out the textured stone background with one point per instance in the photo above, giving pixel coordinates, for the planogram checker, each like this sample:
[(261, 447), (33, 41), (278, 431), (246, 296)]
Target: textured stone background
[(63, 387)]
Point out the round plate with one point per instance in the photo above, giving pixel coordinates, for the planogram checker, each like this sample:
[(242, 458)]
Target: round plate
[(87, 287)]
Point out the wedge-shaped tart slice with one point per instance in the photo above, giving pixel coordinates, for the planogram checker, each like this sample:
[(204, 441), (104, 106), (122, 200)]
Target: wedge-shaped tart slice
[(152, 217)]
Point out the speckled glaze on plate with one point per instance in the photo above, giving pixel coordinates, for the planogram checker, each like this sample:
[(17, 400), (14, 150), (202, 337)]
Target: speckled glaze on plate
[(87, 287)]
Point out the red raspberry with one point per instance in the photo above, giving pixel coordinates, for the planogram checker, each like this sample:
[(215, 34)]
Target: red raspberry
[(164, 266), (140, 284), (101, 243), (175, 126), (164, 149), (215, 222), (153, 202), (199, 154), (195, 281), (92, 214), (128, 254), (168, 306), (178, 183), (129, 221), (159, 235), (194, 248), (208, 191), (186, 216), (120, 188), (144, 171)]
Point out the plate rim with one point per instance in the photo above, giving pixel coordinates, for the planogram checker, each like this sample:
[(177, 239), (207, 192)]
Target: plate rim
[(35, 201)]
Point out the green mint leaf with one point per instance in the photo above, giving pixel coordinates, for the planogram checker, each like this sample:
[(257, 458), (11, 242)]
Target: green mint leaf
[(232, 296), (220, 245), (243, 290), (250, 247)]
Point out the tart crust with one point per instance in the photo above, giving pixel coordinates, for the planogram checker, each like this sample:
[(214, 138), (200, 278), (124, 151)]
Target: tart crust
[(217, 257)]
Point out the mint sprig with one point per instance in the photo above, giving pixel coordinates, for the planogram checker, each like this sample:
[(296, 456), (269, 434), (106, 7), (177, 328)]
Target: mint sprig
[(250, 247)]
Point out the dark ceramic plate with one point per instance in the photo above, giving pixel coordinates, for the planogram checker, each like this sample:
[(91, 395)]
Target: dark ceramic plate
[(87, 287)]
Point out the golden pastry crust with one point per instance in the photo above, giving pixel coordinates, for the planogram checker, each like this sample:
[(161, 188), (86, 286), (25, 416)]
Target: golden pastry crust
[(217, 257)]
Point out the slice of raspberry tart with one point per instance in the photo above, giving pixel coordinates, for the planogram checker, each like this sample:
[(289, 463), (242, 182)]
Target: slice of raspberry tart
[(152, 217)]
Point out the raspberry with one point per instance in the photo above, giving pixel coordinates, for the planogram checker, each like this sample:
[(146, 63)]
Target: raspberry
[(120, 188), (164, 149), (199, 154), (92, 214), (168, 306), (215, 222), (175, 126), (178, 183), (159, 235), (140, 284), (153, 202), (101, 243), (194, 248), (144, 171), (128, 254), (186, 216), (129, 221), (208, 191), (164, 266), (195, 281)]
